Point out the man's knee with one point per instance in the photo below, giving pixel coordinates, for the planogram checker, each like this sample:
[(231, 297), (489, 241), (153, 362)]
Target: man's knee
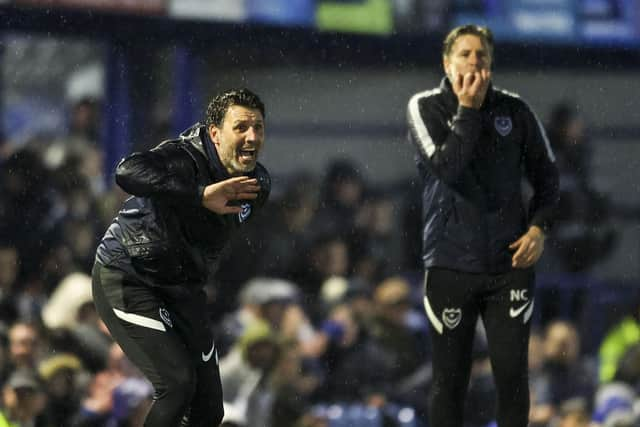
[(178, 384), (209, 417)]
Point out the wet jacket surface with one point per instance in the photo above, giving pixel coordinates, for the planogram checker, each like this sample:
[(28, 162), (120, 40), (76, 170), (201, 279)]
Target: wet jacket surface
[(472, 164), (163, 234)]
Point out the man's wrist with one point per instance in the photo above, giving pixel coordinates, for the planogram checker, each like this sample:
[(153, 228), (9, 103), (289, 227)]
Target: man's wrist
[(537, 230)]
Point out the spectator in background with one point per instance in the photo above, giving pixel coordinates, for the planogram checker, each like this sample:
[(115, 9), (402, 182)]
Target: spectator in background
[(340, 198), (327, 256), (377, 253), (23, 400), (25, 343), (619, 339), (244, 372), (345, 377), (115, 395), (70, 310), (81, 142), (565, 374), (289, 232), (574, 414), (64, 380), (261, 299), (115, 403), (539, 415), (402, 334), (475, 145), (9, 272), (335, 225), (5, 364), (29, 222), (84, 123), (583, 234), (292, 386), (618, 401)]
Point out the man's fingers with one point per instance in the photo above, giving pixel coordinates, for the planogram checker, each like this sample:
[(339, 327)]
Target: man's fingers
[(237, 179), (456, 82), (244, 192), (520, 255), (246, 196), (477, 83), (230, 210), (250, 188), (468, 79)]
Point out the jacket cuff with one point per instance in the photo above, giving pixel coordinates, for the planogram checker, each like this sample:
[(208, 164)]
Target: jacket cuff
[(467, 123), (200, 194), (467, 112)]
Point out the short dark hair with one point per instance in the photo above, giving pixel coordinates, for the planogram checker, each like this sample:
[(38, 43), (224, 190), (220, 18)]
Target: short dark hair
[(220, 104), (484, 33)]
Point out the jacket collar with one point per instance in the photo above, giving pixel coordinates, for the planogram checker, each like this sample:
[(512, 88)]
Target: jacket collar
[(212, 154), (196, 136)]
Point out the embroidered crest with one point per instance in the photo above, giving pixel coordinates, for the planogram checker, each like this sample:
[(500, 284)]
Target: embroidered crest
[(245, 212), (503, 125), (166, 318), (451, 317)]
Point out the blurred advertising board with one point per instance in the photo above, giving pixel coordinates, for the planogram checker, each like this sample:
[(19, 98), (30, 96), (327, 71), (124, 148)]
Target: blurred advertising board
[(572, 22), (209, 10), (138, 7), (300, 13), (295, 13), (355, 16)]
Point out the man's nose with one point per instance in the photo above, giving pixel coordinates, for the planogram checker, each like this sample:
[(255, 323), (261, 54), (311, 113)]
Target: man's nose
[(251, 134)]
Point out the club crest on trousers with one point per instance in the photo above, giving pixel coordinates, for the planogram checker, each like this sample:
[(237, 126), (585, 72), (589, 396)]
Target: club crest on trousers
[(451, 317)]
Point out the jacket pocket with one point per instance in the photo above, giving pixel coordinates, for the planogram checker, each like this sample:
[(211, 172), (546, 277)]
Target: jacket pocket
[(150, 248)]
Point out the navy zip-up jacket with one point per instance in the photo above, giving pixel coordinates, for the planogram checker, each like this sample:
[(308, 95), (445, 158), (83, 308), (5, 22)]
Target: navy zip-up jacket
[(163, 234), (472, 163)]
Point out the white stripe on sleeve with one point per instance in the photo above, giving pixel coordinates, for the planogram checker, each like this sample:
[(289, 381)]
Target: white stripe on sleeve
[(547, 144), (415, 121)]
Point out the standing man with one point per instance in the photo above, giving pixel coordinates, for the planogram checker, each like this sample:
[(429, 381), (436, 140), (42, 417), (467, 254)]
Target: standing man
[(189, 195), (480, 241)]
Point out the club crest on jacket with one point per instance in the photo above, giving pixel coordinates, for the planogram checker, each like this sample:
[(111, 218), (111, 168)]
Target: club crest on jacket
[(245, 212), (503, 125)]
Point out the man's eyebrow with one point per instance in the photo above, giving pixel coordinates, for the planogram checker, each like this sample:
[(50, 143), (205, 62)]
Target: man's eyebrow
[(243, 120)]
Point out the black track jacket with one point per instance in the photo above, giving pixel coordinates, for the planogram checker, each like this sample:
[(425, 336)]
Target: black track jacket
[(472, 163), (163, 234)]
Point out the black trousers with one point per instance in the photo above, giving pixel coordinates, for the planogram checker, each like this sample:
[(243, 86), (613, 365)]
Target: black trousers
[(454, 300), (170, 341)]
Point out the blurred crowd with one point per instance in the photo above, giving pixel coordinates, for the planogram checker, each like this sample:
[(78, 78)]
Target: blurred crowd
[(317, 306)]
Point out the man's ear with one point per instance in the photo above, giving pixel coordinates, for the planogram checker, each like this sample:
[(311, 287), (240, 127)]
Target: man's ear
[(445, 65), (213, 133)]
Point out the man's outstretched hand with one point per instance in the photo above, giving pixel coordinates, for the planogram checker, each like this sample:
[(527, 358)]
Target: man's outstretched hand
[(216, 196)]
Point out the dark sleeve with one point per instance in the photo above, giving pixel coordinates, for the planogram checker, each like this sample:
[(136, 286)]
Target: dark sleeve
[(166, 172), (264, 180), (447, 147), (541, 171)]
